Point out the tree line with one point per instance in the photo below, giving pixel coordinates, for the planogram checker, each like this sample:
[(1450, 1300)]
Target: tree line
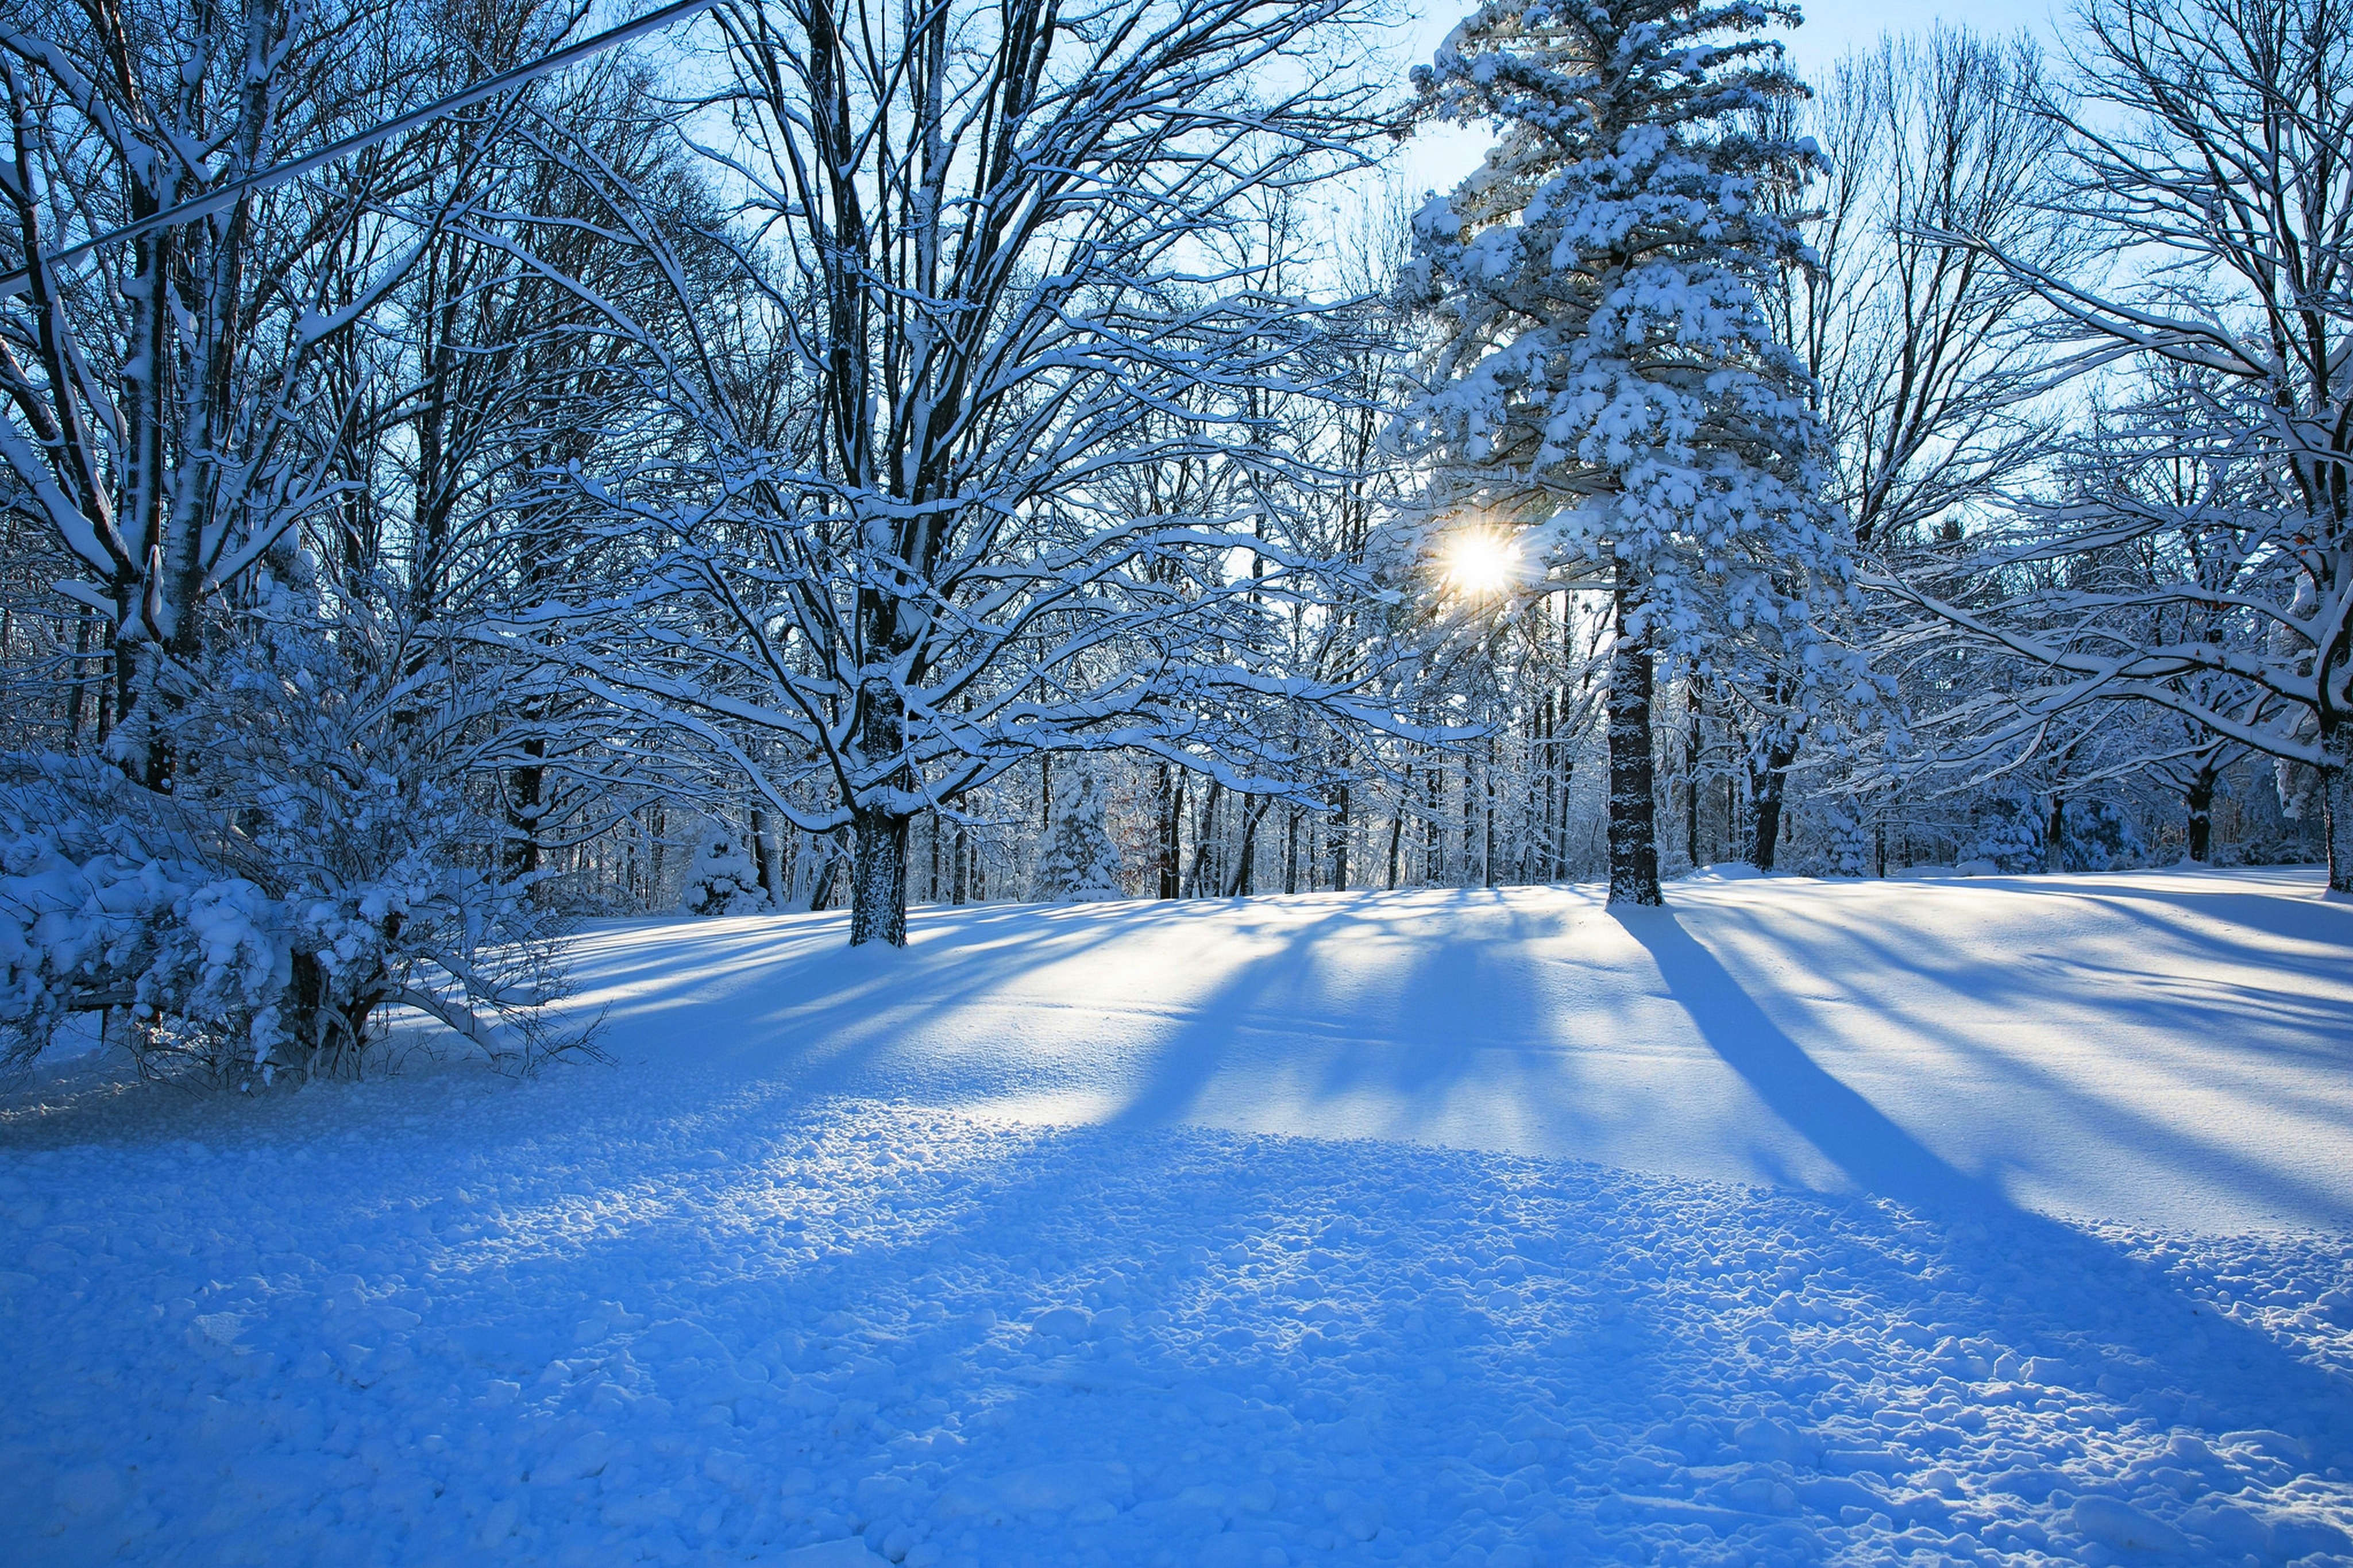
[(870, 453)]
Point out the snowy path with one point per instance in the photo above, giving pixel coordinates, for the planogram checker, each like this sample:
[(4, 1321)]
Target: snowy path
[(708, 1306)]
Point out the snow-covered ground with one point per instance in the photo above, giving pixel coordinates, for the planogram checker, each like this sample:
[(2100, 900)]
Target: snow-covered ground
[(2000, 1219)]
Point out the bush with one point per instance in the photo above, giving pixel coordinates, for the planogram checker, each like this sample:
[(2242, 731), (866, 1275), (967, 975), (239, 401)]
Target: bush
[(318, 861), (722, 880), (1079, 864)]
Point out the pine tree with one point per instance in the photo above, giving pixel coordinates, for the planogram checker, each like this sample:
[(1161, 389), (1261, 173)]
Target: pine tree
[(1604, 376), (1079, 864), (722, 879)]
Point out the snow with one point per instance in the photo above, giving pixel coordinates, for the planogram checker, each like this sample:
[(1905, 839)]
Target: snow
[(2000, 1219)]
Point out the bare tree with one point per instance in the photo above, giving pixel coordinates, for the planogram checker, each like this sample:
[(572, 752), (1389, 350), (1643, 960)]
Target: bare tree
[(980, 243), (2208, 158), (1927, 364), (163, 399)]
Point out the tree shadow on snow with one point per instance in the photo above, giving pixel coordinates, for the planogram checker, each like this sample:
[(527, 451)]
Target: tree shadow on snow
[(2032, 1275)]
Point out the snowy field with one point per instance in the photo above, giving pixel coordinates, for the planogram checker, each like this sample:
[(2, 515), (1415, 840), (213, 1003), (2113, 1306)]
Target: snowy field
[(2004, 1220)]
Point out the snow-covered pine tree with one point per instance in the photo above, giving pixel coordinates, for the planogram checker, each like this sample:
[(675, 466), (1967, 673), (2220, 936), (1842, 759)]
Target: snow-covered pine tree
[(722, 879), (1604, 376), (1079, 863)]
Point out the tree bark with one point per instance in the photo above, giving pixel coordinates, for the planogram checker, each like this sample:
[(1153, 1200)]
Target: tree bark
[(2055, 836), (1340, 840), (1204, 835), (1696, 704), (1396, 825), (1633, 796), (1766, 787), (2336, 819), (526, 783), (1172, 818), (878, 854), (2202, 815), (1246, 863), (877, 878), (764, 855)]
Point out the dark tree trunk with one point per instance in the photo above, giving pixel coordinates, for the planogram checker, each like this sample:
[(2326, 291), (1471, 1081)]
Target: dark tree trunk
[(1172, 827), (1768, 783), (1488, 852), (1433, 837), (526, 783), (877, 878), (1247, 862), (1633, 793), (2202, 815), (1396, 826), (1470, 821), (2337, 805), (2055, 836), (1696, 702), (1202, 838), (878, 863), (763, 857), (1340, 842)]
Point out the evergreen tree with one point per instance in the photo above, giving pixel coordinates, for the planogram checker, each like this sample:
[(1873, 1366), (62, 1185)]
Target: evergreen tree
[(1604, 377), (722, 879), (1079, 864)]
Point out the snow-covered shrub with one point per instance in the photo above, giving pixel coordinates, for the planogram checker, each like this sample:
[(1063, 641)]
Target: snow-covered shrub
[(722, 879), (1079, 863), (2009, 834), (1853, 850), (2101, 836), (94, 912), (318, 859)]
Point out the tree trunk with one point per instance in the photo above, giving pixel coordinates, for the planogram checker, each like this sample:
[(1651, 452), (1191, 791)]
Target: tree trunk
[(764, 855), (1247, 862), (1396, 825), (1433, 837), (2202, 815), (2337, 818), (878, 854), (1172, 819), (1202, 838), (877, 878), (1487, 854), (526, 783), (1340, 840), (1766, 787), (2055, 836), (1633, 796), (1696, 702)]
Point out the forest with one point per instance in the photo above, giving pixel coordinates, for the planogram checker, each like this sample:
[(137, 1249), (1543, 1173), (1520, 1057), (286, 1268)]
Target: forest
[(868, 454)]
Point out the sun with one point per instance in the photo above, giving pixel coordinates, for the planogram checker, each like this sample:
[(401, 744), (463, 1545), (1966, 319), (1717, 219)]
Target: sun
[(1480, 563)]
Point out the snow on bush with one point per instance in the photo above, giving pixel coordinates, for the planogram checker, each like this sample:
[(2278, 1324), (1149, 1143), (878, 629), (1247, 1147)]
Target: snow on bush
[(2101, 836), (722, 879), (2009, 835), (1079, 863), (318, 859), (89, 918), (1853, 844)]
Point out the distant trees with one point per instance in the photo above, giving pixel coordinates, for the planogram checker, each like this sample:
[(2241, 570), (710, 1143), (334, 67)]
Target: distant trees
[(2199, 559)]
